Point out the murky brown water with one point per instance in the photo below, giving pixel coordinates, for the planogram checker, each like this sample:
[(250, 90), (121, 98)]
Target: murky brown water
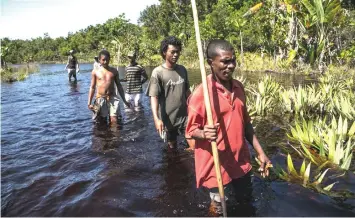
[(55, 162)]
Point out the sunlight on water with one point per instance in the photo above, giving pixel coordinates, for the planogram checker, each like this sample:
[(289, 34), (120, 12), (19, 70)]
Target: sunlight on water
[(55, 162)]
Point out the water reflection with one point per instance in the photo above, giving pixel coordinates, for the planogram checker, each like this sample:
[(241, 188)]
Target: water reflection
[(57, 162), (105, 137), (74, 87)]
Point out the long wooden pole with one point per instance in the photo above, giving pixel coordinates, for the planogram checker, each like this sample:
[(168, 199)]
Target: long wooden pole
[(208, 108)]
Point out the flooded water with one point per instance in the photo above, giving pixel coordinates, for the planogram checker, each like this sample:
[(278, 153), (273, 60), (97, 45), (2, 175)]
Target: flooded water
[(56, 162)]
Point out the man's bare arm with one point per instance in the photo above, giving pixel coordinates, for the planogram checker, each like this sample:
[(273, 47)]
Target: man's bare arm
[(92, 88), (66, 66), (252, 139), (145, 77), (120, 88), (208, 132), (155, 106)]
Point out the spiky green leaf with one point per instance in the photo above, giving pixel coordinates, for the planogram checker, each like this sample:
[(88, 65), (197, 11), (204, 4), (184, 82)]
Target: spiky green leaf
[(306, 175), (290, 167), (329, 187)]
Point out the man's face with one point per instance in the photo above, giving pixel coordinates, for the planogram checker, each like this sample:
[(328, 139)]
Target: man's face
[(104, 60), (223, 64), (172, 54)]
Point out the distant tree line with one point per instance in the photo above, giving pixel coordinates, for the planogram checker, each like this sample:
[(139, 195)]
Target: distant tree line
[(316, 32)]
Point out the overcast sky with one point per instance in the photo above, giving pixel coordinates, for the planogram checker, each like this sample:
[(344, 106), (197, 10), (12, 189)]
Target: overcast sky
[(26, 19)]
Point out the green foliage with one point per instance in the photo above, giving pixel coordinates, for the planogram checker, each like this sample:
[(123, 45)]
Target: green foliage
[(315, 133), (86, 43), (322, 143), (286, 34), (302, 101), (303, 176), (19, 73), (265, 95), (333, 95)]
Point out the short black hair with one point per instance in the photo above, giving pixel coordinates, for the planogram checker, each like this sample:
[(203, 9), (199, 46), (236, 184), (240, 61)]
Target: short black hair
[(170, 40), (217, 44), (106, 53)]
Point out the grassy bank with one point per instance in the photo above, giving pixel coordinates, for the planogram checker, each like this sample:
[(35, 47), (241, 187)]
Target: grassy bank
[(255, 62), (13, 74), (250, 62), (317, 127)]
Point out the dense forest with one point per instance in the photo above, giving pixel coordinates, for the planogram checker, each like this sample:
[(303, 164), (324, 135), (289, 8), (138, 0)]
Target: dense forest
[(290, 33)]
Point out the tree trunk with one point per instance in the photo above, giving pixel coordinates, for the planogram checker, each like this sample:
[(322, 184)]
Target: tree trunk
[(3, 64)]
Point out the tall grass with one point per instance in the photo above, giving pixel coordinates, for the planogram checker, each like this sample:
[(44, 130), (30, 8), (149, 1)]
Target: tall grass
[(12, 74)]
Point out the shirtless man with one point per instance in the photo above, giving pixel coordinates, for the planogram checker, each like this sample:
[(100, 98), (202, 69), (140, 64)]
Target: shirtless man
[(104, 80)]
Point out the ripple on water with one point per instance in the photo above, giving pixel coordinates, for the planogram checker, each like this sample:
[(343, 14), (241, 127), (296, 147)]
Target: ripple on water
[(55, 162)]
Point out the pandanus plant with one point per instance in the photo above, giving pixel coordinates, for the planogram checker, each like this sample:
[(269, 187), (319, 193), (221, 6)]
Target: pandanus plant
[(338, 95), (303, 101), (344, 106), (303, 176), (265, 95), (324, 144)]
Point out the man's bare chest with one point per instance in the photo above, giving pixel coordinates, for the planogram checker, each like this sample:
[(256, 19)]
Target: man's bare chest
[(104, 77)]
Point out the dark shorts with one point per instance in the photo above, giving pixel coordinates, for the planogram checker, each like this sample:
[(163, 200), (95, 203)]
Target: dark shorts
[(72, 72), (171, 135), (238, 189), (239, 197)]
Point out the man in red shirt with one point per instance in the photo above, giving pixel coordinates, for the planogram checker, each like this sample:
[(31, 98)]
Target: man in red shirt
[(232, 126)]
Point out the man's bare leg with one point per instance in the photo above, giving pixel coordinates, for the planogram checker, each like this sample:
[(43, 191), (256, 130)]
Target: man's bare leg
[(172, 144), (101, 120), (113, 120)]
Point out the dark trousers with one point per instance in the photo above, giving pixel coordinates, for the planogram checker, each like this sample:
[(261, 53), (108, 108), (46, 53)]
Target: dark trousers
[(238, 194)]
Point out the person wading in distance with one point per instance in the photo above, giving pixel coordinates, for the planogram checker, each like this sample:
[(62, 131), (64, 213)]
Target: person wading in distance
[(135, 78), (72, 66), (104, 80)]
